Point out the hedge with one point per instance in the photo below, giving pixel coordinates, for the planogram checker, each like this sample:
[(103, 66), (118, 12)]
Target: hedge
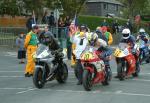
[(94, 21)]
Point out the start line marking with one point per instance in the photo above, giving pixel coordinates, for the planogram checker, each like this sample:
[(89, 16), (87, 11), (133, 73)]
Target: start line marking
[(98, 92)]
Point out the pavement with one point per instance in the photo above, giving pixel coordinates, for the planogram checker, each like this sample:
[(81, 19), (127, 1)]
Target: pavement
[(15, 88)]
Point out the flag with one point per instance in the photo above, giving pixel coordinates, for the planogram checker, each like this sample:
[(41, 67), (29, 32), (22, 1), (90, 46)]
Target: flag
[(73, 26), (34, 19)]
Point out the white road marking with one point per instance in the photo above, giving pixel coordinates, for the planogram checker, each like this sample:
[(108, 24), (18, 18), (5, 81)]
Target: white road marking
[(21, 92), (11, 76), (12, 54), (11, 71), (131, 94), (13, 88), (98, 91), (143, 80)]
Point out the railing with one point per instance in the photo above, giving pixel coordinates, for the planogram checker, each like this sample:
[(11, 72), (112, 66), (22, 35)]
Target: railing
[(8, 35)]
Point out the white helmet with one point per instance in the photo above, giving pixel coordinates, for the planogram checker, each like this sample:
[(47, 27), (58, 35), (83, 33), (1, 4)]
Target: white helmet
[(142, 30), (126, 33)]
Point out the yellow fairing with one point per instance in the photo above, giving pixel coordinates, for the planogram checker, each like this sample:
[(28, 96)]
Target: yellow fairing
[(119, 53), (86, 56)]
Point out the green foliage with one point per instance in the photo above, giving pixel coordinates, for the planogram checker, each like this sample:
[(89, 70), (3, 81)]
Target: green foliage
[(94, 21), (134, 7), (72, 7), (9, 7)]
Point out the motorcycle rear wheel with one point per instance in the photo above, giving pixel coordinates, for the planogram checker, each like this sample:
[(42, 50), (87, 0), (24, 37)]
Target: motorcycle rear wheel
[(38, 78), (87, 80)]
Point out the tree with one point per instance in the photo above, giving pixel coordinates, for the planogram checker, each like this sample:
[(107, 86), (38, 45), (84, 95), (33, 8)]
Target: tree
[(70, 7), (9, 7), (15, 7), (134, 7)]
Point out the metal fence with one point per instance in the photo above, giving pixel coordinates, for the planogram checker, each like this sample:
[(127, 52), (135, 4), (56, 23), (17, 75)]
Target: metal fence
[(8, 35)]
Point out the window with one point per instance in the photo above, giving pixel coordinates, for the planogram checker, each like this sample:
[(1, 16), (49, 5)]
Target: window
[(105, 5), (116, 7)]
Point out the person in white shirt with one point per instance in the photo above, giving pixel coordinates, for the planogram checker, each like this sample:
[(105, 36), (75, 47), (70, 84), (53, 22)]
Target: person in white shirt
[(81, 43)]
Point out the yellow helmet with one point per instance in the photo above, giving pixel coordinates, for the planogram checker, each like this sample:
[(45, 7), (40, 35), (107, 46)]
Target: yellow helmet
[(82, 34), (92, 38)]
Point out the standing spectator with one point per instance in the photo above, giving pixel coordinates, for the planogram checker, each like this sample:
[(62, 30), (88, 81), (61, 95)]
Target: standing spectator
[(107, 34), (69, 44), (115, 27), (51, 20), (104, 23), (129, 25), (31, 20), (67, 21), (21, 49), (30, 44), (45, 18), (60, 26)]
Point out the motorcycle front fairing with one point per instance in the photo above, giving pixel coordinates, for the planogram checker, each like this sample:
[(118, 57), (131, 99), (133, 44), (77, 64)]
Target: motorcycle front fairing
[(43, 56)]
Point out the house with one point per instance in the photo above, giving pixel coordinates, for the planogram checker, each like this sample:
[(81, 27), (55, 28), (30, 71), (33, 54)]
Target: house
[(103, 8)]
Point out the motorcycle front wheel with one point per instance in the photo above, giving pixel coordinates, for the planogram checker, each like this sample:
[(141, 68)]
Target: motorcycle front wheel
[(62, 74), (87, 80), (121, 71), (38, 78)]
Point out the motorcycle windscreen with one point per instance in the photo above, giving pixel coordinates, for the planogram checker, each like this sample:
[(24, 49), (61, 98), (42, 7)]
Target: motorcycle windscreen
[(122, 46), (43, 51)]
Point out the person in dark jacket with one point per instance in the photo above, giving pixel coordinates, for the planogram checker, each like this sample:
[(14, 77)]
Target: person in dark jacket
[(30, 23), (50, 41), (51, 20)]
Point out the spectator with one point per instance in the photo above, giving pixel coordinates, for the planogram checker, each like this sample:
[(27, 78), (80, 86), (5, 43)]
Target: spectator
[(21, 49), (51, 20), (45, 18), (60, 26), (115, 27), (67, 21), (69, 44), (30, 22), (129, 25), (104, 23)]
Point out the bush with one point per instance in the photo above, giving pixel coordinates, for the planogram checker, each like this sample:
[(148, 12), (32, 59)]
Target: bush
[(95, 21)]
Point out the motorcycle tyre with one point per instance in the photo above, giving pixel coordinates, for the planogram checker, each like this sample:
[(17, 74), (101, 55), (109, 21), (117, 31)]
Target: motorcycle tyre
[(63, 75), (87, 80), (37, 83)]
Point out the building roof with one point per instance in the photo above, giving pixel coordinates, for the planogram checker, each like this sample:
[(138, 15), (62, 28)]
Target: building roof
[(107, 1)]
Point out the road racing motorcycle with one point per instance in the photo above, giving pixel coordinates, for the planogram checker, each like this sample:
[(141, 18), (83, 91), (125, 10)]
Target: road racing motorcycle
[(93, 68), (49, 66), (144, 52), (124, 56)]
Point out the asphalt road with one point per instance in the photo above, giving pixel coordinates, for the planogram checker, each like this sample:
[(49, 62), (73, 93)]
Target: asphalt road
[(15, 88)]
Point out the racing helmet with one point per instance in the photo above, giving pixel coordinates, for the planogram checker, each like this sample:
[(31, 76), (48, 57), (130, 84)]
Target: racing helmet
[(83, 27), (92, 38), (47, 38), (126, 33), (142, 32)]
